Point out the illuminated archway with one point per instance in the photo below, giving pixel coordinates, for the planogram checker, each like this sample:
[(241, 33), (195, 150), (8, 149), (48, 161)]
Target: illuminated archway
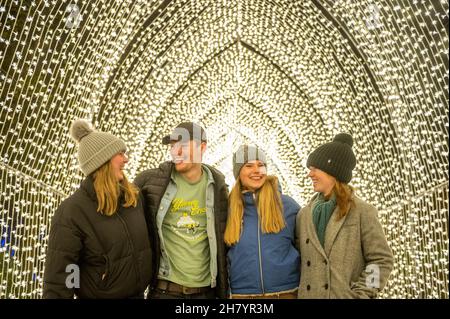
[(285, 75)]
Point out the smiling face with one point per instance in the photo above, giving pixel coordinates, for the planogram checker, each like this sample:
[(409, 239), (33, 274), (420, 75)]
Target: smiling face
[(253, 175), (322, 182), (185, 155), (118, 162)]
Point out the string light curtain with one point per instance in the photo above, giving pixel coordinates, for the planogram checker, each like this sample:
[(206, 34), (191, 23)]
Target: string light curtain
[(284, 75)]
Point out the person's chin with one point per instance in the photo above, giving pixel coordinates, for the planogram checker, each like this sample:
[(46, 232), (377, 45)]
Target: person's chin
[(256, 186), (181, 166)]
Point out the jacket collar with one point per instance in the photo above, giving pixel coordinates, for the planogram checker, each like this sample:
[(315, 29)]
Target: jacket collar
[(249, 198), (206, 168), (88, 186), (331, 232)]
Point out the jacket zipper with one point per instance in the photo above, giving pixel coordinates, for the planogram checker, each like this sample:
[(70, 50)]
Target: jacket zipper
[(136, 269), (259, 246), (105, 274)]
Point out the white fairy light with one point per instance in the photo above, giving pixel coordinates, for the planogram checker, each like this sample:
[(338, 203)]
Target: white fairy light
[(284, 75)]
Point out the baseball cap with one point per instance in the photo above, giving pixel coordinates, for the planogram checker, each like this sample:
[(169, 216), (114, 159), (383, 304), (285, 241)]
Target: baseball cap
[(185, 131)]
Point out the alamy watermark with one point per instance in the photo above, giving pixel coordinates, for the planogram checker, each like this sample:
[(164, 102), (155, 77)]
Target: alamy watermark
[(373, 276), (75, 17), (73, 279)]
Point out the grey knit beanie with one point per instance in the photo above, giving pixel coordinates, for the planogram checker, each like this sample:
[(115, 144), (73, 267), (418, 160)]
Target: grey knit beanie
[(244, 154), (335, 158), (95, 148)]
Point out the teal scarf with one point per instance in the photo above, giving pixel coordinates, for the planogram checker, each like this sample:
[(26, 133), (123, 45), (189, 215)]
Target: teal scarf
[(321, 213)]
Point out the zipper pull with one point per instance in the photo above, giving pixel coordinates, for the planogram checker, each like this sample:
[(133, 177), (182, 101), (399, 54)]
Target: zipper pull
[(106, 267)]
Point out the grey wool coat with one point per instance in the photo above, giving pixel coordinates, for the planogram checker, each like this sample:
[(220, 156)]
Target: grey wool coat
[(356, 260)]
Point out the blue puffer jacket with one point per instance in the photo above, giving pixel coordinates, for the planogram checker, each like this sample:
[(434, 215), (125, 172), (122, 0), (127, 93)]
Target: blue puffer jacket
[(264, 263)]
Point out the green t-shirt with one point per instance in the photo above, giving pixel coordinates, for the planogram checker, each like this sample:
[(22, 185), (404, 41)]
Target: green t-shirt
[(185, 236)]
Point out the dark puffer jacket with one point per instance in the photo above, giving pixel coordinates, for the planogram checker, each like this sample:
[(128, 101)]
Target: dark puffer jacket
[(153, 184), (113, 253)]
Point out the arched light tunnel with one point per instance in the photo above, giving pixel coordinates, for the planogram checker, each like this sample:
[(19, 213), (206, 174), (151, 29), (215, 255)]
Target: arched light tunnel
[(284, 75)]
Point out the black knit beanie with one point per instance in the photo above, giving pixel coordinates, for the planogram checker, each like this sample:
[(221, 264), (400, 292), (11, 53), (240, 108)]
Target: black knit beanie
[(335, 158)]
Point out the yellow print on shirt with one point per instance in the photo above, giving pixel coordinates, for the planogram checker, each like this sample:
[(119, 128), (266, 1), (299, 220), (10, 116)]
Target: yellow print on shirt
[(179, 203), (186, 226), (186, 221)]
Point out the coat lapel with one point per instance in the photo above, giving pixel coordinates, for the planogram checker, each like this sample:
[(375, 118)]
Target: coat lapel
[(312, 230), (332, 230)]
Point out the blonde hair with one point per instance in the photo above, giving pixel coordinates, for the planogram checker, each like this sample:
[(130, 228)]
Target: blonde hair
[(270, 210), (344, 198), (108, 190)]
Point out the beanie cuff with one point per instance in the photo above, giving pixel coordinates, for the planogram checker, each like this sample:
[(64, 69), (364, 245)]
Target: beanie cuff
[(246, 154), (103, 156), (337, 171)]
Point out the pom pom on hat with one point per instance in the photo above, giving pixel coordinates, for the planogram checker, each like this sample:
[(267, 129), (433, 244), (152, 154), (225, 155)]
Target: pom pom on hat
[(95, 148), (79, 129), (344, 138)]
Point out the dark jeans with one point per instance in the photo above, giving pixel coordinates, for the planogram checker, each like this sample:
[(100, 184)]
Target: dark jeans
[(163, 294)]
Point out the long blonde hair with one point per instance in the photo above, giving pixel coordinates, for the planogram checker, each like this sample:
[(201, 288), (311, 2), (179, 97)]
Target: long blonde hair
[(108, 190), (270, 210), (344, 198)]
